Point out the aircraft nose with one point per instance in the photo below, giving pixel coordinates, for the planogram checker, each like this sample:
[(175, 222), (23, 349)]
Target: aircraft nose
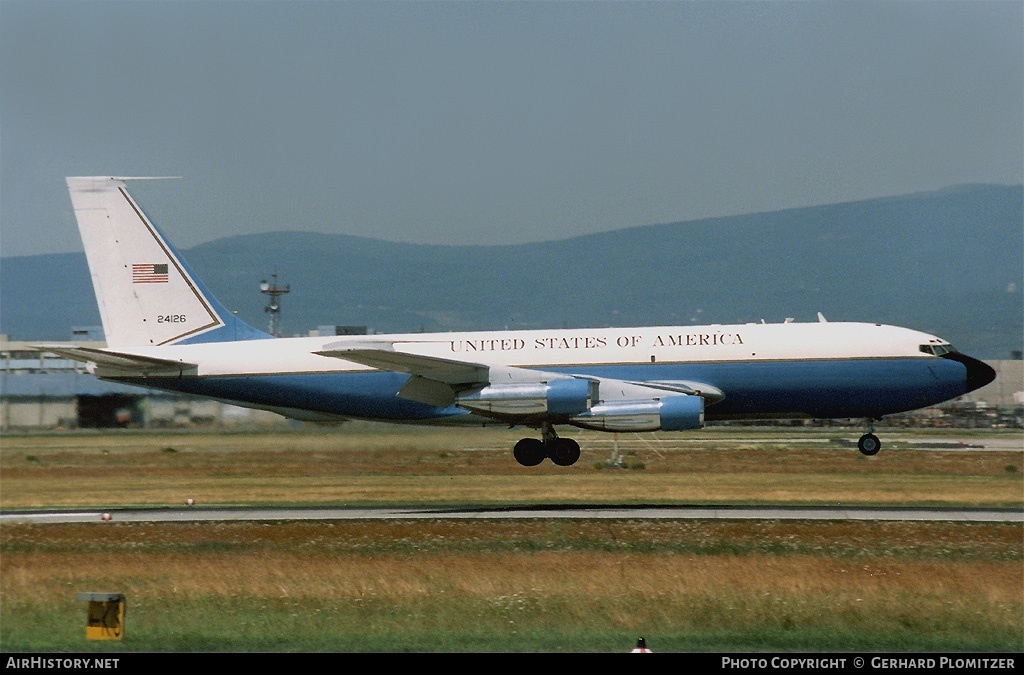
[(979, 373)]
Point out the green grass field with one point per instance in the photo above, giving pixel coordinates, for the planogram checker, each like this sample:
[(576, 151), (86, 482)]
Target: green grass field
[(521, 585)]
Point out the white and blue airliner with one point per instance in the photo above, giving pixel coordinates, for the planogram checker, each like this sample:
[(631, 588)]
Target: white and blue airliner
[(165, 330)]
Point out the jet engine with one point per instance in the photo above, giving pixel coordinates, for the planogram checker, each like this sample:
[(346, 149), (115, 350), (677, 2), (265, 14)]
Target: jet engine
[(669, 413), (568, 396)]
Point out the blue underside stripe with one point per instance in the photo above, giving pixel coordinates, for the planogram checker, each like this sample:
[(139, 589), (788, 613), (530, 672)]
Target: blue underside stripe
[(822, 389)]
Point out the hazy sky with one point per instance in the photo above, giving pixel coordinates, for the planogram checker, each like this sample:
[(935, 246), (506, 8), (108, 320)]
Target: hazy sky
[(495, 122)]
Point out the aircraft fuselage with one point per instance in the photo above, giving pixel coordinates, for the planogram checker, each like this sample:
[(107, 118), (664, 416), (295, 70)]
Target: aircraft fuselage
[(819, 370)]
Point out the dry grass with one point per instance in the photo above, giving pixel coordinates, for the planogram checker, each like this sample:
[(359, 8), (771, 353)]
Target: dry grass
[(402, 466), (521, 585), (670, 579)]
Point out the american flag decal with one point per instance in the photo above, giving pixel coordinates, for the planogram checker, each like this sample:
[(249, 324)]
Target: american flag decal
[(148, 273)]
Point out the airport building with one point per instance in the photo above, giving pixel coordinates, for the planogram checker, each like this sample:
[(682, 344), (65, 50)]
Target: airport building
[(40, 391)]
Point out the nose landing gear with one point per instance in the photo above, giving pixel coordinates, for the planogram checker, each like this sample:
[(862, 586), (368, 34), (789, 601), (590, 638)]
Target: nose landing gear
[(869, 444)]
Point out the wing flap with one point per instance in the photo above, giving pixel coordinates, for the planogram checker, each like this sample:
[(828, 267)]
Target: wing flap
[(709, 393), (427, 391)]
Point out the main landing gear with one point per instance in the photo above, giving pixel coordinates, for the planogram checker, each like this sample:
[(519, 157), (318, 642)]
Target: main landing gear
[(869, 443), (533, 451)]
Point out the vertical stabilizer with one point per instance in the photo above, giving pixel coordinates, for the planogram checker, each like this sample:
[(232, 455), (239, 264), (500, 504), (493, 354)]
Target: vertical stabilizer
[(147, 295)]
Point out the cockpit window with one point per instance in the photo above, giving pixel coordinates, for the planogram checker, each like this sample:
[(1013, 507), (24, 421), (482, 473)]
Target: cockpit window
[(938, 349)]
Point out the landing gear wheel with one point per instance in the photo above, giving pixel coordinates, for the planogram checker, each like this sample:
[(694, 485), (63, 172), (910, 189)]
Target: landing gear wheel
[(530, 452), (869, 444), (564, 451)]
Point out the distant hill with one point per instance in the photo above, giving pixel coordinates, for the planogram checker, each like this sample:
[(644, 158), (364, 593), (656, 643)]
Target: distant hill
[(948, 262)]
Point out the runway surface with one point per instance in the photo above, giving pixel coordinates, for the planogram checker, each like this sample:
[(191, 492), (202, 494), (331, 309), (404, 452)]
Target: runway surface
[(194, 514)]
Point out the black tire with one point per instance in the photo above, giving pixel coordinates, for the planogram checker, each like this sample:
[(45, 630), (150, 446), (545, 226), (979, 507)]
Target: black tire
[(529, 452), (869, 444), (564, 451)]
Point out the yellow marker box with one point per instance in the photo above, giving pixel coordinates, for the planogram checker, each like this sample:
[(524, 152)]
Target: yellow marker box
[(105, 616)]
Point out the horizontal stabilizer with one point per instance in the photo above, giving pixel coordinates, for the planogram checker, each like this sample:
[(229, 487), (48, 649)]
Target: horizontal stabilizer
[(119, 363)]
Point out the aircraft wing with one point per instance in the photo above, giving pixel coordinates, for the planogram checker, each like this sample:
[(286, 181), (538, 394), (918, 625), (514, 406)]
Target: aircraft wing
[(434, 380), (504, 391), (105, 362), (384, 356)]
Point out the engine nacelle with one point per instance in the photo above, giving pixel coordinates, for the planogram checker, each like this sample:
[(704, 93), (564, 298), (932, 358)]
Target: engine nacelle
[(556, 397), (669, 413)]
